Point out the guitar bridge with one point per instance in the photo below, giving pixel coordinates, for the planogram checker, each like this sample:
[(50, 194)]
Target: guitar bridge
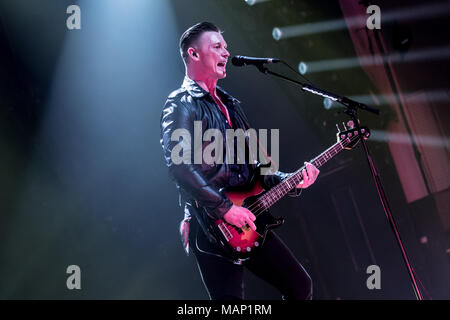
[(226, 233)]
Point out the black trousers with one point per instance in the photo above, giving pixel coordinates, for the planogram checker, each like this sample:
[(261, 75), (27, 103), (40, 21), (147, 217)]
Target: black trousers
[(273, 262)]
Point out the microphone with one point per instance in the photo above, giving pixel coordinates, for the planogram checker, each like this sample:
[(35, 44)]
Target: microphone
[(240, 61)]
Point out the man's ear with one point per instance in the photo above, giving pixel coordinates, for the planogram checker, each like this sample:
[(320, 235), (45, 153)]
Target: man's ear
[(192, 54)]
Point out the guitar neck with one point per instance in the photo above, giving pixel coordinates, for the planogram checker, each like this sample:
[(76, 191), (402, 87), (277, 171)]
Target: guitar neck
[(280, 190)]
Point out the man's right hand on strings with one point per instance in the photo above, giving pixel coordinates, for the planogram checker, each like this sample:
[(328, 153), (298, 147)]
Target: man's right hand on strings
[(240, 216)]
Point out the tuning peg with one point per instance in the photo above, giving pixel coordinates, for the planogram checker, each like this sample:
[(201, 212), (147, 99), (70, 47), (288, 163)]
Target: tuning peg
[(338, 129), (351, 124), (343, 124)]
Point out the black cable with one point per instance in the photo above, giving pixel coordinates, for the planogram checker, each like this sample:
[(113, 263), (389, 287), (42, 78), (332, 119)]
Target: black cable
[(286, 64)]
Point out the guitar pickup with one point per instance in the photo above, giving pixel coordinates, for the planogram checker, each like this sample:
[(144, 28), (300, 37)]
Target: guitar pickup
[(239, 230)]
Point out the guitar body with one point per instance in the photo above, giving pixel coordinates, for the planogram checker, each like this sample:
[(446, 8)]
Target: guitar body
[(242, 242)]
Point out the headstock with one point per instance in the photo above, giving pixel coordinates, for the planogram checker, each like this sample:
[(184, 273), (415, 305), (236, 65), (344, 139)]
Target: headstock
[(349, 137)]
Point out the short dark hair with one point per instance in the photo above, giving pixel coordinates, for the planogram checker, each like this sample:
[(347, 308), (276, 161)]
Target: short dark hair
[(192, 34)]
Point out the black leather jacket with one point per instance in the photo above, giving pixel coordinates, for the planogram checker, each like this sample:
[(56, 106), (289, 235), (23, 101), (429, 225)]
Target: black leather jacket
[(202, 185)]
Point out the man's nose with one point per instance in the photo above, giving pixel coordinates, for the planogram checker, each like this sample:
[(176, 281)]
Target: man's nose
[(226, 54)]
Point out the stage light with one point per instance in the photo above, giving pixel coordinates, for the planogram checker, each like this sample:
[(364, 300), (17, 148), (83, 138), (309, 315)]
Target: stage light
[(436, 96), (309, 28), (302, 68), (439, 53), (277, 34), (327, 103), (427, 11), (253, 2), (386, 136)]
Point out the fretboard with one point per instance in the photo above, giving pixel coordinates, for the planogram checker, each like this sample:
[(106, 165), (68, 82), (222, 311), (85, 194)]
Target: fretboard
[(280, 190)]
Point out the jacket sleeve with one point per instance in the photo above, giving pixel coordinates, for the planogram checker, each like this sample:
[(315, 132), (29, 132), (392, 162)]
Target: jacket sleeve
[(187, 174)]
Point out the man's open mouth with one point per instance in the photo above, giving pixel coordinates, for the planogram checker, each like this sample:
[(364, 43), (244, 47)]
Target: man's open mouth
[(221, 64)]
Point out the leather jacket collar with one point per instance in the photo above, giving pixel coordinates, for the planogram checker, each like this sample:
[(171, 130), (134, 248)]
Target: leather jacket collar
[(196, 91)]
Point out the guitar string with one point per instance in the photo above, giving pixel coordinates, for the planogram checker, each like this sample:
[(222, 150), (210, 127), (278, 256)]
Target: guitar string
[(259, 204), (293, 176), (272, 196), (260, 209)]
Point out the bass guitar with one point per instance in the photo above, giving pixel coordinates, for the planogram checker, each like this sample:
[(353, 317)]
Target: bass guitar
[(242, 242)]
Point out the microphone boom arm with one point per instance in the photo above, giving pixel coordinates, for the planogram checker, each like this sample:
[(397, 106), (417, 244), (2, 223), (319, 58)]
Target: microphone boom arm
[(349, 103)]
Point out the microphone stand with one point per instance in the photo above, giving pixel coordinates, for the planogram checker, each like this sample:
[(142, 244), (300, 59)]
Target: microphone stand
[(352, 110)]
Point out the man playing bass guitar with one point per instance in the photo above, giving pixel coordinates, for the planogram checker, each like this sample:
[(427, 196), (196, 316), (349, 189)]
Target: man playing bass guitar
[(203, 186)]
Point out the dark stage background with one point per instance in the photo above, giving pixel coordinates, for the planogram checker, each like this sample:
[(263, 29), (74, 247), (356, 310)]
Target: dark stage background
[(83, 179)]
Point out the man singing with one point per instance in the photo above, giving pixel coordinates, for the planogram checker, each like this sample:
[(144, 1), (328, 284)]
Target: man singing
[(201, 186)]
